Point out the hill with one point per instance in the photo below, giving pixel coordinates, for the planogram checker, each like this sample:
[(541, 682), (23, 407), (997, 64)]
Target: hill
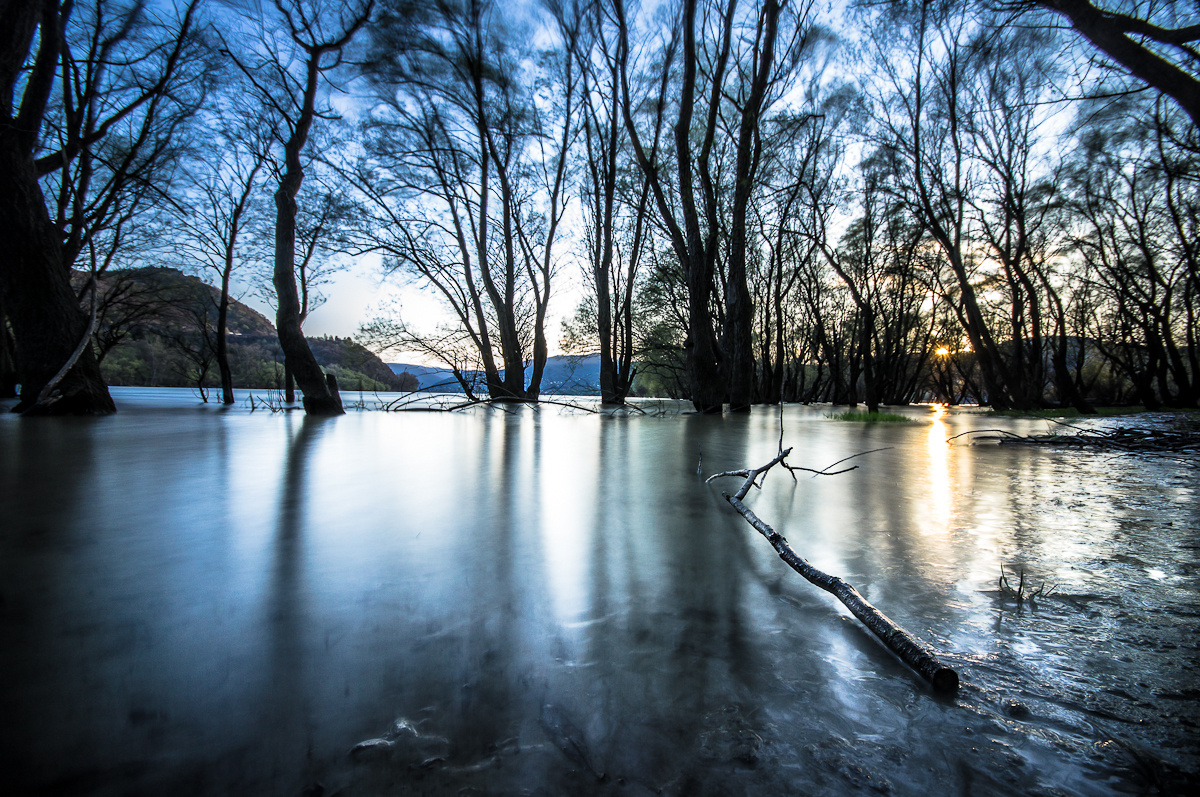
[(156, 327)]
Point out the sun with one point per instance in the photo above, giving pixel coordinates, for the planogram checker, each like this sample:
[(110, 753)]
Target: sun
[(942, 352)]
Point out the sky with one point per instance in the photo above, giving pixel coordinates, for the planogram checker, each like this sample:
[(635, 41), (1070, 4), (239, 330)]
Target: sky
[(360, 292)]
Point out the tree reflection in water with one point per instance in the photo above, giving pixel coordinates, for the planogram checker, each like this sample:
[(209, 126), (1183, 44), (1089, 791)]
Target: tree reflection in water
[(211, 603)]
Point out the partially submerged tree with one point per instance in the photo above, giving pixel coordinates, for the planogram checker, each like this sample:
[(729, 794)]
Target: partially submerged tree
[(323, 224), (123, 89), (761, 78), (221, 205), (1135, 220), (193, 334), (692, 226), (465, 176), (712, 78), (925, 119), (321, 238), (615, 205), (287, 71)]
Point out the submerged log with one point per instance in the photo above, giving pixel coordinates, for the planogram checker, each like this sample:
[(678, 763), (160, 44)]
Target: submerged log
[(908, 648)]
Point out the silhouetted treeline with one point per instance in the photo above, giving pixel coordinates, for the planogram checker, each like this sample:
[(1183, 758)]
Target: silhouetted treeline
[(877, 203)]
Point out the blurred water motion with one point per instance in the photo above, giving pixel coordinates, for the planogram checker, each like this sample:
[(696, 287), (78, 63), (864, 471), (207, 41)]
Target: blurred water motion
[(198, 601)]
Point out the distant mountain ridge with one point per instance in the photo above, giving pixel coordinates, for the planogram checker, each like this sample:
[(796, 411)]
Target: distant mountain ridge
[(565, 375)]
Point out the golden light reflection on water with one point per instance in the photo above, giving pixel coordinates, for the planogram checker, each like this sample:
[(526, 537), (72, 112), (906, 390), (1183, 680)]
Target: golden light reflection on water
[(940, 498)]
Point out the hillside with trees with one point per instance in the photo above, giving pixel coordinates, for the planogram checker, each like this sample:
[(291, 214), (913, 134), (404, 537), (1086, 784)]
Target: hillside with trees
[(156, 327)]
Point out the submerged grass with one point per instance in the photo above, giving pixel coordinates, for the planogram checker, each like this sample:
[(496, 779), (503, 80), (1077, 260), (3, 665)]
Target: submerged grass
[(871, 417)]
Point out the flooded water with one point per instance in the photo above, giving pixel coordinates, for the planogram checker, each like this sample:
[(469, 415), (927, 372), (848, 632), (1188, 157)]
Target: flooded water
[(197, 601)]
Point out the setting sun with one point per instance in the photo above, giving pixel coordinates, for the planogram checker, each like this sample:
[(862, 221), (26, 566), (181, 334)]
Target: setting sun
[(942, 352)]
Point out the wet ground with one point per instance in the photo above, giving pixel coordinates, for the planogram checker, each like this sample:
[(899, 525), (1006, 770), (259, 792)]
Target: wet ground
[(197, 601)]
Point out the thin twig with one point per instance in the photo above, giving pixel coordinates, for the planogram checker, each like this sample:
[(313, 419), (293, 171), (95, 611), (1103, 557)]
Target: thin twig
[(827, 472)]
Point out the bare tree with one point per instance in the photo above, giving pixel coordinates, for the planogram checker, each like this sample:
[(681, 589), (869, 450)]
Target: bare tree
[(926, 127), (716, 73), (131, 84), (449, 345), (221, 207), (761, 78), (1135, 203), (193, 334), (131, 301), (615, 204), (694, 237), (288, 71), (121, 83), (1009, 79), (323, 234), (466, 175), (1154, 42)]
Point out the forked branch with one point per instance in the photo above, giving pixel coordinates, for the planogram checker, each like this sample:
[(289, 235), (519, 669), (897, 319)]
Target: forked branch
[(911, 651)]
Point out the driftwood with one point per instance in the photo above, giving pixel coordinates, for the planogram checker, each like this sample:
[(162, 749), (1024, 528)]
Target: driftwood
[(910, 650), (1183, 438), (421, 401)]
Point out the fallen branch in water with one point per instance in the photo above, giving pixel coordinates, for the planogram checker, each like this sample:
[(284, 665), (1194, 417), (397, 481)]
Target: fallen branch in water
[(1184, 438), (420, 401), (910, 650)]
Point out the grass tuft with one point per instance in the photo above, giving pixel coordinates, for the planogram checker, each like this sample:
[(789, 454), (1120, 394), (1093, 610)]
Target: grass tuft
[(871, 417)]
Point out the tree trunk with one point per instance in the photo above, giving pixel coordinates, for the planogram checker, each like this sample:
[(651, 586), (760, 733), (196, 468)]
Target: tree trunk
[(695, 250), (704, 354), (705, 387), (866, 337), (8, 363), (320, 394), (297, 356), (739, 306), (221, 347), (1109, 33), (739, 351), (608, 368), (541, 352), (35, 288)]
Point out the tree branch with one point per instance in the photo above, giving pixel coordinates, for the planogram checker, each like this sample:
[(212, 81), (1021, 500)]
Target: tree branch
[(910, 650)]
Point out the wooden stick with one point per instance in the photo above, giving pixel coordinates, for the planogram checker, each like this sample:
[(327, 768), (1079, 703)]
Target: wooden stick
[(911, 651)]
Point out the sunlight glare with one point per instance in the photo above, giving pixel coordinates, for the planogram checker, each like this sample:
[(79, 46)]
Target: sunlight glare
[(939, 473), (565, 485)]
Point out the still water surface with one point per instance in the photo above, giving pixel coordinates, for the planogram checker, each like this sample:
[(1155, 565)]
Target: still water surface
[(197, 601)]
